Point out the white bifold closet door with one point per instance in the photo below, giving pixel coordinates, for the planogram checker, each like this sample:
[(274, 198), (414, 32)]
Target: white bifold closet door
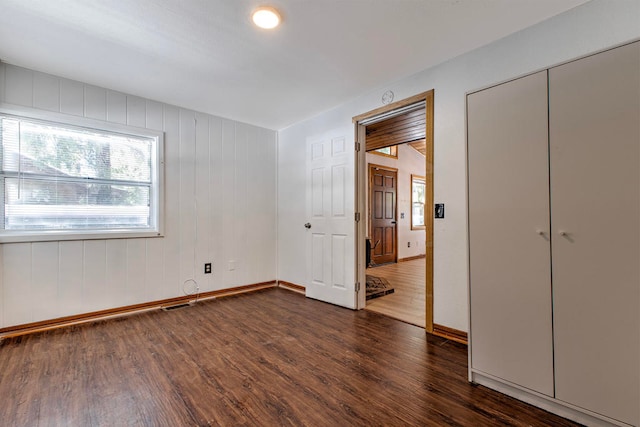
[(594, 129), (510, 273)]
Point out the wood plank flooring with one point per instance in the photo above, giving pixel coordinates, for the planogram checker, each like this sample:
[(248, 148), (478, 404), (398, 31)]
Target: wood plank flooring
[(268, 358), (408, 301)]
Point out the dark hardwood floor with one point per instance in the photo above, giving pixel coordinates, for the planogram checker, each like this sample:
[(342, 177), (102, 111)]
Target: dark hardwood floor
[(267, 358)]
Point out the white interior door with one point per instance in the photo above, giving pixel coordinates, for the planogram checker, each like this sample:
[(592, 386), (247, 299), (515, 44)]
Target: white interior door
[(331, 222)]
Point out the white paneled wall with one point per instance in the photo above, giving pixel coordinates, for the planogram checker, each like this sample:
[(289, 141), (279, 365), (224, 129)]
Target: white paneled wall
[(220, 207)]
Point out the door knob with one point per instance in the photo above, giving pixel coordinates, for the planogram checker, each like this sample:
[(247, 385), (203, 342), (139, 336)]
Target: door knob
[(562, 233), (393, 222), (307, 226), (540, 232)]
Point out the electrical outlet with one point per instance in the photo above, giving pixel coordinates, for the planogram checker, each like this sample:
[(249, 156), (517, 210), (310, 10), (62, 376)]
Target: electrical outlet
[(232, 265), (207, 268)]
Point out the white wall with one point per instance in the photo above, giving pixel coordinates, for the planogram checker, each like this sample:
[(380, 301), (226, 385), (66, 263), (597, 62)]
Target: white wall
[(409, 161), (593, 26), (220, 198)]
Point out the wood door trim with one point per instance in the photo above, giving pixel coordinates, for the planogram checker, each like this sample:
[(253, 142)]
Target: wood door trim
[(399, 104), (387, 168), (428, 97), (411, 258), (370, 180), (292, 287), (450, 333)]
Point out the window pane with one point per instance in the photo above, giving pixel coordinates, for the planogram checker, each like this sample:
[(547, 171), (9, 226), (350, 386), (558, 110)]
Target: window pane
[(35, 204), (58, 176), (49, 149), (417, 215), (385, 150), (418, 189)]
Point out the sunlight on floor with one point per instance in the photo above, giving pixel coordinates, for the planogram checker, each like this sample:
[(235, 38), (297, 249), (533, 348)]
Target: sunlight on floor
[(407, 303)]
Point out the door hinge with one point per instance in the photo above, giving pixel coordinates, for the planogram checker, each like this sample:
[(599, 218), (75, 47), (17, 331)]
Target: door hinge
[(357, 216), (357, 286), (357, 146)]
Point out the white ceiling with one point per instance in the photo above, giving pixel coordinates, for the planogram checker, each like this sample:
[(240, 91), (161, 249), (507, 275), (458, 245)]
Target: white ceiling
[(207, 56)]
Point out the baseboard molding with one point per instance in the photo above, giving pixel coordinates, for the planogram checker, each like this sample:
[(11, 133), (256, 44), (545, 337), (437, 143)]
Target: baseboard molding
[(45, 325), (292, 287), (450, 333), (411, 258)]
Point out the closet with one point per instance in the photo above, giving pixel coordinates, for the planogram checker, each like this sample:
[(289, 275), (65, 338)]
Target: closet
[(554, 237)]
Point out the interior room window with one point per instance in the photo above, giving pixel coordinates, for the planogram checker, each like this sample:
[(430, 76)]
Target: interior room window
[(63, 180), (387, 151), (418, 187)]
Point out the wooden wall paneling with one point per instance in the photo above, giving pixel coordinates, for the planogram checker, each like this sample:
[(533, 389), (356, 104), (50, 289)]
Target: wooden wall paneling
[(202, 185), (155, 269), (396, 130), (95, 102), (71, 97), (227, 202), (256, 173), (91, 276), (155, 265), (269, 224), (216, 162), (186, 196), (3, 72), (241, 206), (116, 107), (172, 284), (153, 115), (116, 272), (136, 267), (136, 111), (17, 283), (71, 267), (18, 86), (2, 297), (97, 293), (3, 68), (136, 257), (44, 283), (46, 92), (266, 217)]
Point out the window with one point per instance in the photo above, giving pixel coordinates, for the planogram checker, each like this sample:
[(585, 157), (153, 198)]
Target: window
[(418, 188), (77, 179), (387, 151)]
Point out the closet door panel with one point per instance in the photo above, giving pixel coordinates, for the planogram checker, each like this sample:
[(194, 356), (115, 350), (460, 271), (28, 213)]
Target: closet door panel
[(595, 200), (510, 277)]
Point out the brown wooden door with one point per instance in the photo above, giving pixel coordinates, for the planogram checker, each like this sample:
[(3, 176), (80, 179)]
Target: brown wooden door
[(382, 210)]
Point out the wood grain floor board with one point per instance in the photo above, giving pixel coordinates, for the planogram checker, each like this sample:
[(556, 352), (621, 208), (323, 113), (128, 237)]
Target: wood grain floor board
[(270, 358), (408, 301)]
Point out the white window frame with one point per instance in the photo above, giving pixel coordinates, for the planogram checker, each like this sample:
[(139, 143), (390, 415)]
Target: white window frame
[(156, 199)]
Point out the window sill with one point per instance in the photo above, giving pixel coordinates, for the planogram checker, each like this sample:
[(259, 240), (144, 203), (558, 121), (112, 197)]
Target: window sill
[(64, 235)]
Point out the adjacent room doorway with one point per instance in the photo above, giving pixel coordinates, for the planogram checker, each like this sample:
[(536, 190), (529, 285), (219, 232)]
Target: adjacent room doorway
[(418, 108)]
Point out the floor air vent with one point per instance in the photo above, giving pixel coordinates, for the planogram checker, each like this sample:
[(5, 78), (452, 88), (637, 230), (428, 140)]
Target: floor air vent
[(175, 307)]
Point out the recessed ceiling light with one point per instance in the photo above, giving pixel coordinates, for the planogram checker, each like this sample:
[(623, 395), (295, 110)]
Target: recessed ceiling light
[(266, 17)]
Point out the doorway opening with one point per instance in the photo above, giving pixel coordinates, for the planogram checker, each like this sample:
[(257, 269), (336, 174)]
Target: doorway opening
[(393, 206)]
